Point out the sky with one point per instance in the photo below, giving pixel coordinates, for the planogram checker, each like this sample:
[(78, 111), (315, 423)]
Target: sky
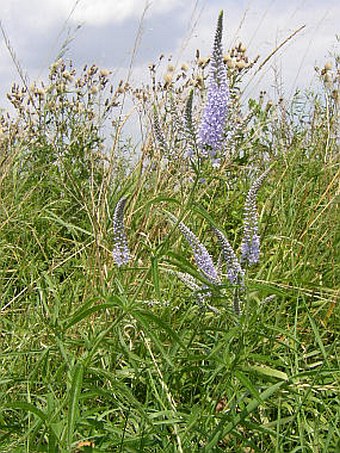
[(104, 32)]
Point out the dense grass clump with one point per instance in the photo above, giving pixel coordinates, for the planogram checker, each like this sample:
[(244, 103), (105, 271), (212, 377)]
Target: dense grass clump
[(179, 298)]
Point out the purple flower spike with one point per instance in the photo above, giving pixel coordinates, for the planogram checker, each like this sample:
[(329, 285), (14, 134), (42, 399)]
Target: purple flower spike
[(250, 245), (234, 269), (120, 252), (159, 134), (211, 134), (202, 257)]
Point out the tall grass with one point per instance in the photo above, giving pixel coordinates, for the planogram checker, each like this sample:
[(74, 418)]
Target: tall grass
[(99, 357)]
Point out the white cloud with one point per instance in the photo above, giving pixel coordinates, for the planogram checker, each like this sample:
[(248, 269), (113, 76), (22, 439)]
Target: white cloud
[(102, 12), (42, 13)]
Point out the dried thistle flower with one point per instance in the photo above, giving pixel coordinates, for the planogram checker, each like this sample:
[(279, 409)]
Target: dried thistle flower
[(241, 64), (94, 89), (328, 66), (104, 72), (168, 78), (120, 251), (231, 63)]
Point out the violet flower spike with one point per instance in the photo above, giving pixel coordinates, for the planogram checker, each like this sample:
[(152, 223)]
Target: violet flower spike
[(250, 245), (159, 134), (189, 127), (164, 147), (188, 280), (202, 257), (120, 252), (211, 133), (202, 292), (234, 270)]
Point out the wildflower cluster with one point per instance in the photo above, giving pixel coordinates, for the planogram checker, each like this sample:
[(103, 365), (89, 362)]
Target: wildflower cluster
[(65, 115), (250, 251), (206, 265), (189, 132), (237, 61)]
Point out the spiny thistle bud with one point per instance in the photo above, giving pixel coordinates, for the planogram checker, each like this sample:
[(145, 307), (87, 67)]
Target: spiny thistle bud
[(211, 134), (202, 257), (250, 245), (120, 252)]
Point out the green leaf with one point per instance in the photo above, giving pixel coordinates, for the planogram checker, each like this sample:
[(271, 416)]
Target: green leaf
[(67, 225), (155, 276), (84, 313), (27, 407), (318, 337), (74, 395), (248, 385), (266, 370), (163, 325)]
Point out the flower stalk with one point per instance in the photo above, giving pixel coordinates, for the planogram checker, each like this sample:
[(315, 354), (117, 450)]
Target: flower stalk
[(120, 252)]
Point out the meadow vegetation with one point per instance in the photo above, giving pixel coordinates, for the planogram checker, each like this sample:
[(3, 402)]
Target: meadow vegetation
[(176, 291)]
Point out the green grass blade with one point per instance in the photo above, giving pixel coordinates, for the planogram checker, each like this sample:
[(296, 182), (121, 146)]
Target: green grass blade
[(73, 401)]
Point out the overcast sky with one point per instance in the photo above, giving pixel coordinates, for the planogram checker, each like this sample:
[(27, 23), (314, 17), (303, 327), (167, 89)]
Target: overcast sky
[(37, 28)]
